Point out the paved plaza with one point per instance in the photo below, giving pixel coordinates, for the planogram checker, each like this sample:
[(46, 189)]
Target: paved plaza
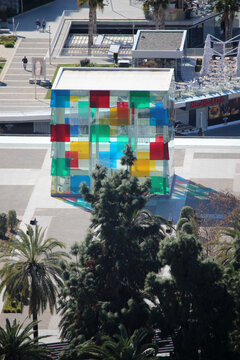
[(201, 166)]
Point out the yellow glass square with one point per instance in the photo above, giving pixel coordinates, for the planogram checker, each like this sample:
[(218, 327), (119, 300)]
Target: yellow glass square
[(74, 98), (83, 149), (104, 121), (143, 155), (113, 131), (152, 165), (140, 168), (113, 116)]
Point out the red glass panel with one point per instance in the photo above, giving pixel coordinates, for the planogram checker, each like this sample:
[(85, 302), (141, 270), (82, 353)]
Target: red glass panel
[(73, 156), (53, 132), (60, 133), (157, 151), (166, 153), (100, 99)]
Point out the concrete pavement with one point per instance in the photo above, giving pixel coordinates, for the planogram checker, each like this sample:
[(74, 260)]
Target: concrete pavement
[(25, 184)]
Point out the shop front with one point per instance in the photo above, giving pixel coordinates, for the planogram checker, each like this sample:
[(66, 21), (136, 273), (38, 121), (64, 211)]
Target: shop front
[(209, 111)]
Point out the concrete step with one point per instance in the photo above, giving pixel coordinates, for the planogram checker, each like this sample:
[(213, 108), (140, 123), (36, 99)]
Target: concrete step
[(40, 40), (17, 102), (16, 71), (31, 52), (22, 92)]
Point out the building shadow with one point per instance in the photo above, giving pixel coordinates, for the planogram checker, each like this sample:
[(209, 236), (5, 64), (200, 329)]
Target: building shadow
[(184, 193)]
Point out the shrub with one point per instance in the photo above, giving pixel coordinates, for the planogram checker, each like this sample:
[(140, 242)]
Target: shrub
[(187, 212), (188, 228), (9, 45), (12, 219), (197, 68), (199, 61), (12, 305), (3, 224), (181, 222), (85, 62)]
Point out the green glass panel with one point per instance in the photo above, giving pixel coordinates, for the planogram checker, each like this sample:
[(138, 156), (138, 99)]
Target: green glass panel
[(99, 133), (60, 167), (122, 138), (83, 104), (83, 112), (139, 99), (159, 185)]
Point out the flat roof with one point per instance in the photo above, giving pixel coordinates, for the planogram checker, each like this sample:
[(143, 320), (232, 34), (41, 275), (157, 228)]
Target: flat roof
[(113, 79), (160, 40)]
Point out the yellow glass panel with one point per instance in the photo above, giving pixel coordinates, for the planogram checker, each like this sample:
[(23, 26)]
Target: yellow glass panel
[(104, 121), (143, 155), (152, 165), (83, 149), (113, 117), (140, 168), (74, 98), (113, 131)]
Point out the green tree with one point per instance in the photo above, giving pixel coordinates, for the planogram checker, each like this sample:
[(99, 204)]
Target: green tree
[(105, 287), (12, 219), (3, 224), (228, 254), (121, 347), (158, 8), (31, 267), (229, 8), (16, 343), (191, 304), (92, 23), (187, 221)]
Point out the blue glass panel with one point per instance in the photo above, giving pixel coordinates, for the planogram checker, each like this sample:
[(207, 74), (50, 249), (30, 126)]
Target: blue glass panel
[(76, 180), (74, 130)]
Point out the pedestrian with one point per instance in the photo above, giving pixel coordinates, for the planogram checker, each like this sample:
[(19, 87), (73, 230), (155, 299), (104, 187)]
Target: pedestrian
[(43, 25), (24, 61), (38, 24)]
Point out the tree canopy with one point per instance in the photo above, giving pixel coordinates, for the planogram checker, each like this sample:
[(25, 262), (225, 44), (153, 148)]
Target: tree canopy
[(105, 286), (192, 304), (16, 343), (31, 269)]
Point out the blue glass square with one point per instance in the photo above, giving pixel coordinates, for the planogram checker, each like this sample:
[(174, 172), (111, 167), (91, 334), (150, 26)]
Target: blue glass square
[(74, 130), (157, 115), (76, 180), (116, 150)]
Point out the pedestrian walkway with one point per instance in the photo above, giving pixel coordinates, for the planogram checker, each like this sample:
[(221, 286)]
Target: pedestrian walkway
[(19, 95)]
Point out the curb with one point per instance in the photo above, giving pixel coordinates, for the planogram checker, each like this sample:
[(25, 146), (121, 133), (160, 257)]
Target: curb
[(9, 61)]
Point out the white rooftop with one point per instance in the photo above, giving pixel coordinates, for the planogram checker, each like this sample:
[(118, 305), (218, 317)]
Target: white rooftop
[(113, 79)]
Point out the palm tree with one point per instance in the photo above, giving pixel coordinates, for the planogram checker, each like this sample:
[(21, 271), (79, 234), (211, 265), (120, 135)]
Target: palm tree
[(31, 268), (121, 347), (16, 343), (92, 22), (159, 8), (229, 8), (229, 250)]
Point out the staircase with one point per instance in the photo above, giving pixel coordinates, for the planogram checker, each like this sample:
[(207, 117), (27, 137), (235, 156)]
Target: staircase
[(19, 95)]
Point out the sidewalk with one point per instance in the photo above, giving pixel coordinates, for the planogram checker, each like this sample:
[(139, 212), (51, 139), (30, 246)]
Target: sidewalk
[(21, 101)]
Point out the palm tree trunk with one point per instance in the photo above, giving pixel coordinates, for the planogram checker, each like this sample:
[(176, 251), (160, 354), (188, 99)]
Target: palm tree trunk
[(35, 328), (95, 21), (90, 29), (226, 26), (231, 20), (156, 16), (162, 16)]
